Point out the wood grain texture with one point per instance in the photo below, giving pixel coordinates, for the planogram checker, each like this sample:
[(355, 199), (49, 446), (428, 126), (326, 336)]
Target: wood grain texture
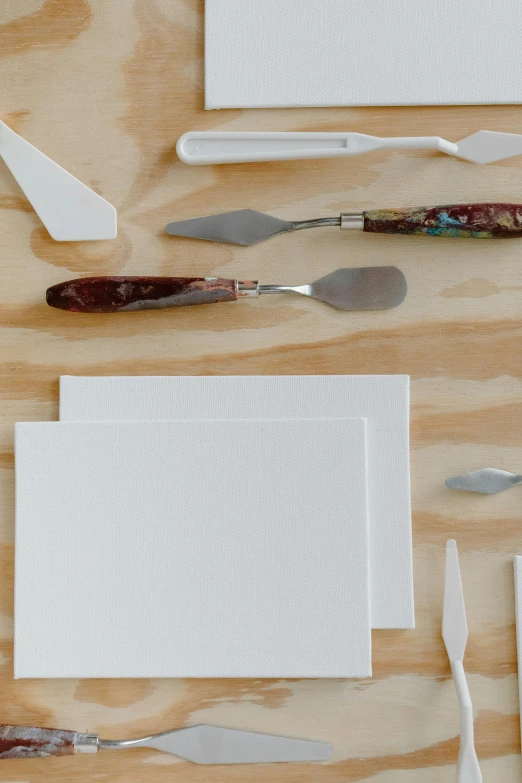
[(106, 88)]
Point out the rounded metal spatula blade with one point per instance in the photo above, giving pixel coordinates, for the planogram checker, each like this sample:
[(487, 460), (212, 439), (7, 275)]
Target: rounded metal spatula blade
[(364, 288)]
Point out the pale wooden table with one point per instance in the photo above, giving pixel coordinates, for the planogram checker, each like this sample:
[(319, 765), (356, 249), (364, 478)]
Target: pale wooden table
[(105, 88)]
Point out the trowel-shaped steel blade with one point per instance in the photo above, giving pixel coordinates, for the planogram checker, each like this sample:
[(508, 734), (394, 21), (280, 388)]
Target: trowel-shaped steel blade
[(243, 227), (488, 481), (214, 745), (201, 744)]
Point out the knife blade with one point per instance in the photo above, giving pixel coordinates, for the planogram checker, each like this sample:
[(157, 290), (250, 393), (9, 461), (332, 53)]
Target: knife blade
[(202, 744), (365, 288), (468, 221)]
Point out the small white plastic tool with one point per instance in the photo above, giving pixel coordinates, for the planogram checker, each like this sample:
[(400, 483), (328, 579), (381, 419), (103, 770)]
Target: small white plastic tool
[(69, 210), (198, 148), (455, 635), (518, 614)]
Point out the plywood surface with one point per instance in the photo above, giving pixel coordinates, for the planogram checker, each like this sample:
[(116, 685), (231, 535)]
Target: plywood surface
[(105, 88)]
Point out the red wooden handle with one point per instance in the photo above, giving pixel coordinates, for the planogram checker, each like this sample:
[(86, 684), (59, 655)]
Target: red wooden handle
[(123, 294), (477, 221), (20, 742)]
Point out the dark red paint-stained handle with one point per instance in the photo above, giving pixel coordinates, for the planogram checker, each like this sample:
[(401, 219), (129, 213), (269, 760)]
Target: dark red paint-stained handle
[(124, 294), (476, 221), (20, 742)]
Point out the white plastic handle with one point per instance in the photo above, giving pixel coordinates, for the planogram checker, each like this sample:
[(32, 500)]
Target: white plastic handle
[(468, 769), (198, 148)]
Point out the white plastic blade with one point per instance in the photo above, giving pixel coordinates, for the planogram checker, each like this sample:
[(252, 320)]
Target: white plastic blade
[(454, 623), (69, 210), (214, 745), (455, 635), (489, 146)]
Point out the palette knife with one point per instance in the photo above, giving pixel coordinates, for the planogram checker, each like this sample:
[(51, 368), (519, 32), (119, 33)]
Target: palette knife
[(201, 744), (455, 635)]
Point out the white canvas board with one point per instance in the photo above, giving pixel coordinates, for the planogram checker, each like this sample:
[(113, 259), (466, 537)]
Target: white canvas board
[(285, 53), (381, 399), (192, 549)]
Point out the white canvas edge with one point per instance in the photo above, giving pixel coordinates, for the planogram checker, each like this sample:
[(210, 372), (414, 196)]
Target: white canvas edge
[(518, 614)]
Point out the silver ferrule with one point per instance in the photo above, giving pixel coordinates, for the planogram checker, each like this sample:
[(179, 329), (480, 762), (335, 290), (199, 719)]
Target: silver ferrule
[(247, 288), (86, 743), (352, 220)]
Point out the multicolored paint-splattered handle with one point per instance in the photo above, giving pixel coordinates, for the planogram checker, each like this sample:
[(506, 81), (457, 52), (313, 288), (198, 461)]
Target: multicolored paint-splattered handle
[(19, 742), (479, 221), (123, 294)]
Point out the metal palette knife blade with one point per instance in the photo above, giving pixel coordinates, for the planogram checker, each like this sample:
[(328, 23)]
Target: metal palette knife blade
[(206, 744), (242, 227)]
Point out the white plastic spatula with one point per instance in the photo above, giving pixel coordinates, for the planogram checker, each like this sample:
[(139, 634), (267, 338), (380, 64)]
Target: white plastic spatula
[(207, 147), (455, 635), (69, 210)]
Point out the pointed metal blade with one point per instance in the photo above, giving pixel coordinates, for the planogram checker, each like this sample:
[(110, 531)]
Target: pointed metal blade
[(366, 288), (454, 623), (489, 146), (488, 481), (214, 745), (243, 227)]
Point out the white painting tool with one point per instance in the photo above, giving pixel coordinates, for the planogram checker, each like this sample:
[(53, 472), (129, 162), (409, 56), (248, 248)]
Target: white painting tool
[(455, 635), (518, 614), (69, 210), (208, 147)]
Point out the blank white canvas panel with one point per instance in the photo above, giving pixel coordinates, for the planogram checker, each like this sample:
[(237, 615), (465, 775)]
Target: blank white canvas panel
[(192, 549), (277, 53), (381, 399)]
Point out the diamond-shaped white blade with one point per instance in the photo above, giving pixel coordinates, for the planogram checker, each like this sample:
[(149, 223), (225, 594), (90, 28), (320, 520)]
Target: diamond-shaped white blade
[(489, 146), (454, 623)]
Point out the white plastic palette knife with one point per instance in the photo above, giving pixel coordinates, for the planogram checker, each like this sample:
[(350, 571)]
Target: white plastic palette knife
[(209, 147), (69, 210), (455, 635)]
